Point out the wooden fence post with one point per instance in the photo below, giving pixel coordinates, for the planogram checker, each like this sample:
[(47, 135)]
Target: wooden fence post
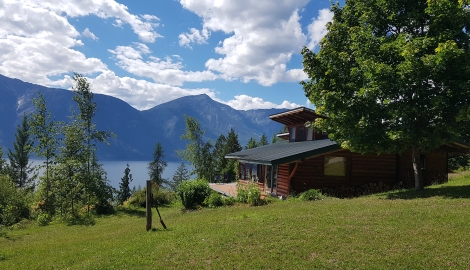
[(148, 204)]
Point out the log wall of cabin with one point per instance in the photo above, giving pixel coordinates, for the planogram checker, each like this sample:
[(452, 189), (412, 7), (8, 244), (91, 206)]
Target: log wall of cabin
[(435, 168), (360, 169), (283, 184)]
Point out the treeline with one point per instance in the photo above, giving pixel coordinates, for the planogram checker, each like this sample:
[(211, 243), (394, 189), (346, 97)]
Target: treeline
[(73, 182), (208, 158)]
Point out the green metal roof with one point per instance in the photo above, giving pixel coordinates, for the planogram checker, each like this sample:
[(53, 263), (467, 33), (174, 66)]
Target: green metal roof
[(285, 152)]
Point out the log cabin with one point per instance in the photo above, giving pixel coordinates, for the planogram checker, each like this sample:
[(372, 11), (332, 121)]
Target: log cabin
[(307, 159)]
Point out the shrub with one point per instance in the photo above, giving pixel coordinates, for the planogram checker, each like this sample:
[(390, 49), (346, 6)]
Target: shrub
[(44, 219), (214, 200), (193, 193), (311, 195), (160, 197), (249, 194), (13, 202), (229, 201)]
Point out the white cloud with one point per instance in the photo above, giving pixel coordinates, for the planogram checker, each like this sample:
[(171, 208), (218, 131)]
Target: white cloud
[(134, 59), (89, 34), (264, 36), (244, 102), (195, 36), (317, 29), (102, 9)]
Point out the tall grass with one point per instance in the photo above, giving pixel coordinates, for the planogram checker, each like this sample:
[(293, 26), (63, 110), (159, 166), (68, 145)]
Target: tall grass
[(394, 230)]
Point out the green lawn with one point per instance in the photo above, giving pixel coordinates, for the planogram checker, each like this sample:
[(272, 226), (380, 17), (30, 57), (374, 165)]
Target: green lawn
[(395, 230)]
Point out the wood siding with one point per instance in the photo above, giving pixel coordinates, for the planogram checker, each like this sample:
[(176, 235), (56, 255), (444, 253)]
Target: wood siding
[(283, 184), (435, 168)]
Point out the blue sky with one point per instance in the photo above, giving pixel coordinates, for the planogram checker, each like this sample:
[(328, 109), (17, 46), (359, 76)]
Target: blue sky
[(243, 53)]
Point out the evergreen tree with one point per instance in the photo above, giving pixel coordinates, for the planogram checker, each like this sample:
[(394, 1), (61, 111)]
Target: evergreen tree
[(20, 169), (207, 162), (263, 140), (181, 174), (251, 144), (3, 163), (124, 189), (218, 154), (232, 146), (156, 167)]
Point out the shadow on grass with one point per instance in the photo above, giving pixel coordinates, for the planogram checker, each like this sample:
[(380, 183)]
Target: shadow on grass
[(448, 192), (132, 212), (82, 220)]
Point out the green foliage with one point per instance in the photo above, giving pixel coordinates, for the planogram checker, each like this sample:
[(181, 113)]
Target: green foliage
[(229, 201), (232, 146), (124, 189), (263, 140), (157, 165), (251, 144), (20, 169), (160, 197), (193, 193), (44, 219), (181, 174), (214, 200), (249, 194), (13, 202), (392, 75), (44, 130), (218, 154), (3, 163), (460, 162), (311, 195)]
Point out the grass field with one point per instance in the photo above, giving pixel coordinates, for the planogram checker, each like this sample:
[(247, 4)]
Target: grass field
[(394, 230)]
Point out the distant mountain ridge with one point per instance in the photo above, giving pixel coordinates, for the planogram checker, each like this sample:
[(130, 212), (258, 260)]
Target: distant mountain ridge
[(137, 131)]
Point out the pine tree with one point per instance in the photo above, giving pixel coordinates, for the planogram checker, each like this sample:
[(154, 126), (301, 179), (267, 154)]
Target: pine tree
[(158, 165), (3, 163), (263, 140), (251, 144), (218, 154), (181, 174), (124, 189), (20, 168), (232, 146)]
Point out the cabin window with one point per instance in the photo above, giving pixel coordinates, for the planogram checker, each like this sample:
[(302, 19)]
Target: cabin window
[(242, 171), (309, 134), (335, 166), (292, 134), (301, 134), (254, 173)]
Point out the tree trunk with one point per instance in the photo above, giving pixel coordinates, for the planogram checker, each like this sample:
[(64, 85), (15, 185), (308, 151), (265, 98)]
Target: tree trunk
[(415, 156)]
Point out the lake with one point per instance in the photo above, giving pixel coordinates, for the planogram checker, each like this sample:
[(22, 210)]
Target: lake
[(115, 171)]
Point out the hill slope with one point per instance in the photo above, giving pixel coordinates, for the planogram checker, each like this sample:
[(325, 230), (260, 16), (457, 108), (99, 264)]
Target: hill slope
[(137, 131)]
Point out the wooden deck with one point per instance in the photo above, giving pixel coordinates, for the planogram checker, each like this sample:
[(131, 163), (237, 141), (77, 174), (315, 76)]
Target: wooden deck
[(229, 189)]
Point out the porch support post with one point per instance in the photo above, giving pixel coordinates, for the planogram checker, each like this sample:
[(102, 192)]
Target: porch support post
[(294, 170)]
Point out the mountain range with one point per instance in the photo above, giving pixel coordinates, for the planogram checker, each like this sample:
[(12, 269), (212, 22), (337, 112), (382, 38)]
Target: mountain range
[(137, 131)]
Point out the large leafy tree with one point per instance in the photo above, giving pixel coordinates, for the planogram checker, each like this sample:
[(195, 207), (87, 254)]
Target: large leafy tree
[(3, 163), (20, 170), (195, 146), (392, 75)]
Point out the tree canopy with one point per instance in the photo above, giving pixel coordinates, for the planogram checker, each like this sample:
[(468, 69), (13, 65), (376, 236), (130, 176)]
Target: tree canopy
[(392, 75)]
